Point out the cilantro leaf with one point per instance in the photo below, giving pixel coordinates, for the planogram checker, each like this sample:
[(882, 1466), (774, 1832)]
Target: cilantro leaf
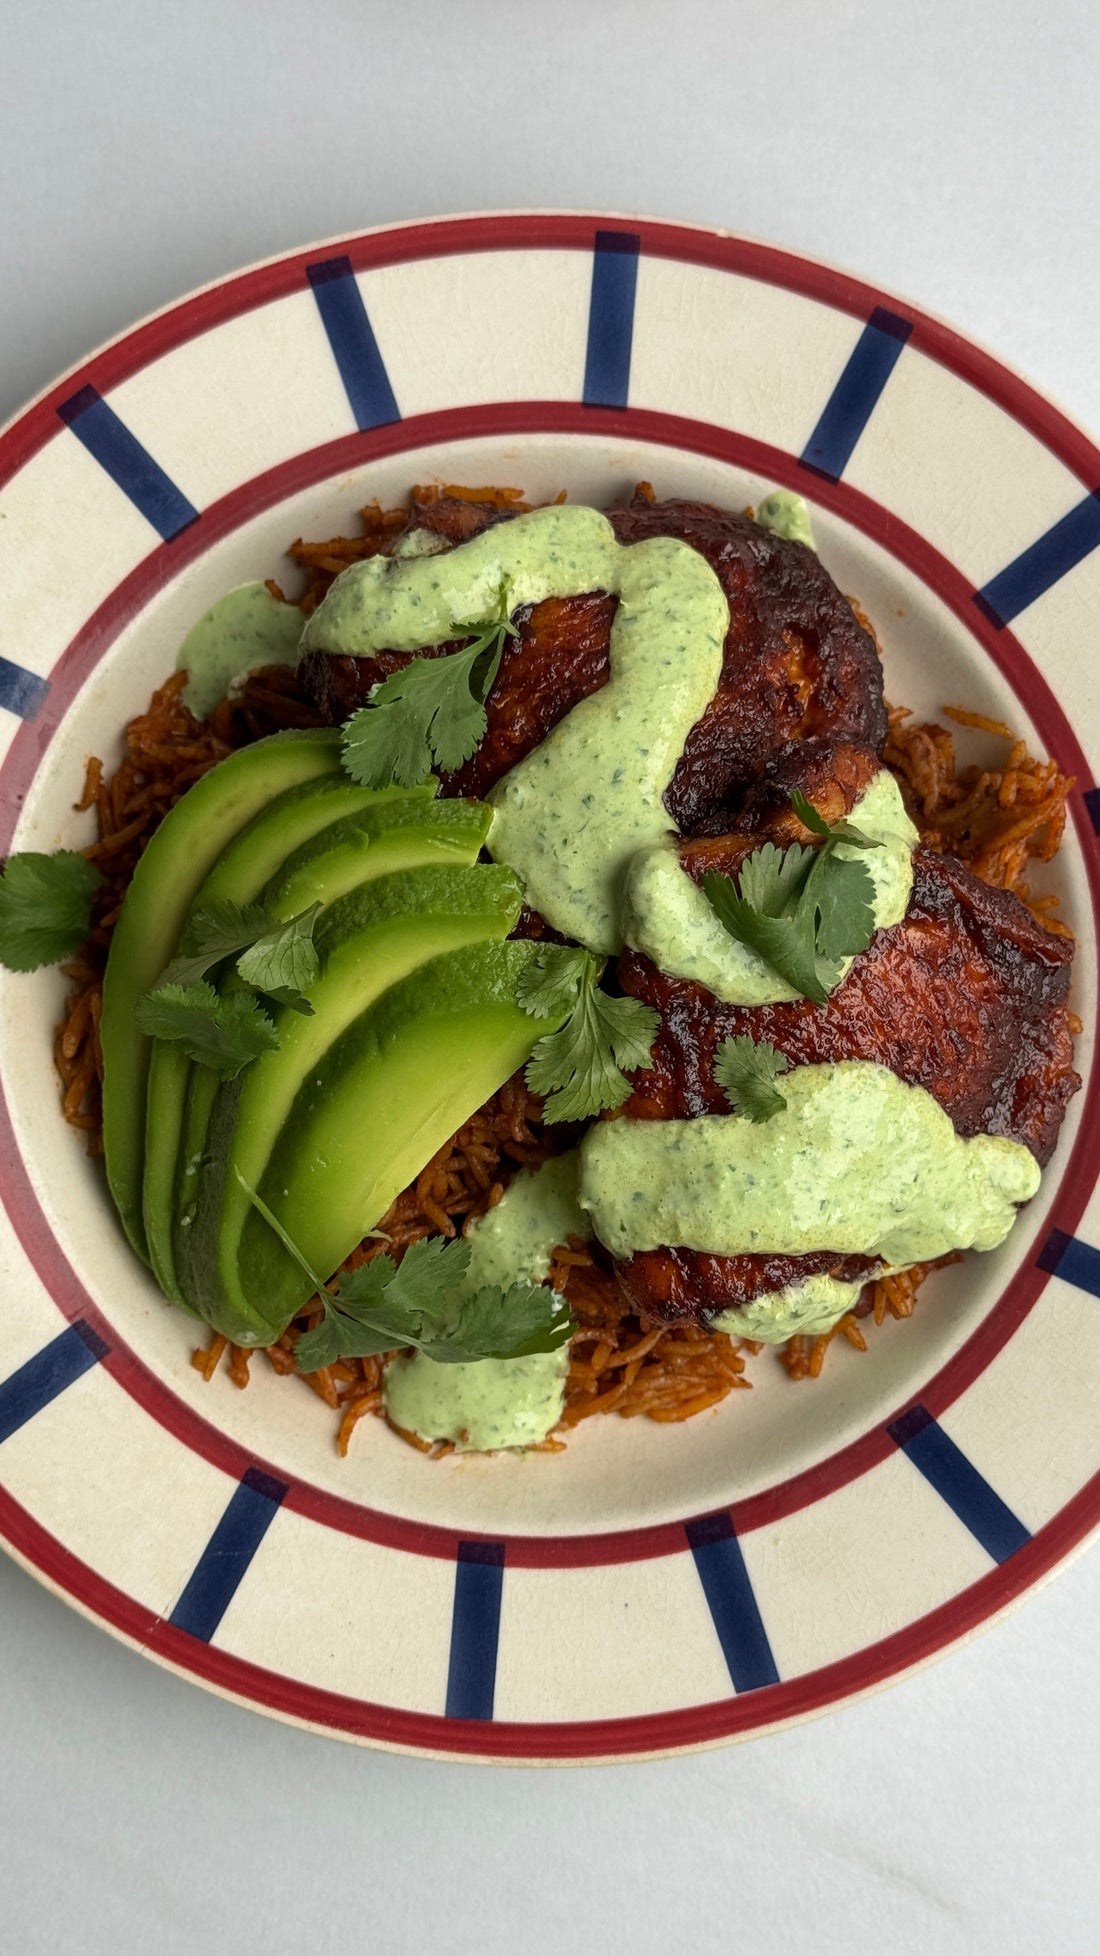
[(785, 940), (804, 911), (222, 1032), (748, 1069), (337, 1337), (843, 896), (284, 962), (550, 982), (772, 878), (45, 907), (218, 931), (430, 714), (427, 1270), (380, 1308), (417, 1304), (843, 831), (581, 1068), (499, 1322), (807, 813), (273, 955)]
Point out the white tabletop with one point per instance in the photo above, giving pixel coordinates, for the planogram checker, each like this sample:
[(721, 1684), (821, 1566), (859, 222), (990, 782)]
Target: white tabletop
[(948, 153)]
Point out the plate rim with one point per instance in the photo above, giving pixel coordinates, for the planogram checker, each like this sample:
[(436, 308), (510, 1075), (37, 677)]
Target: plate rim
[(1051, 420)]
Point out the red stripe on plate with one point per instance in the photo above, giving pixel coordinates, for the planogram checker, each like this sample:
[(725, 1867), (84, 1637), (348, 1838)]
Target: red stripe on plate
[(700, 1725), (230, 298)]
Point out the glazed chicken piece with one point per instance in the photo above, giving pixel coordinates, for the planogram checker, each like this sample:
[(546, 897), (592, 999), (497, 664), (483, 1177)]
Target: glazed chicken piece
[(798, 663), (965, 997)]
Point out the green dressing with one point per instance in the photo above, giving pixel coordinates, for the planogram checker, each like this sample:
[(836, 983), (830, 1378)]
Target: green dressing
[(668, 917), (806, 1309), (787, 514), (507, 1402), (857, 1162), (571, 814), (245, 629)]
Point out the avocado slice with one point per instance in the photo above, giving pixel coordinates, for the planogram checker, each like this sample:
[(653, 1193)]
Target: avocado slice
[(179, 856), (366, 942), (384, 828), (387, 1094)]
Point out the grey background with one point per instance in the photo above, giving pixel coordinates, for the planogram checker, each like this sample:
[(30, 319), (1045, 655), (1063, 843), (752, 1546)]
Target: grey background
[(949, 154)]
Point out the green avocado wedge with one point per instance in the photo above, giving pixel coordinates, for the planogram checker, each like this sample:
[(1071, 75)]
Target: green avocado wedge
[(292, 855), (366, 942), (179, 856), (387, 1094)]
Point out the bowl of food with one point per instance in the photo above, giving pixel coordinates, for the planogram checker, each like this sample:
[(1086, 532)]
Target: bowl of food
[(549, 966)]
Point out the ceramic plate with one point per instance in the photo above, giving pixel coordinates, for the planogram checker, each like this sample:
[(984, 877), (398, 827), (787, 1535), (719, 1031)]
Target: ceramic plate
[(655, 1587)]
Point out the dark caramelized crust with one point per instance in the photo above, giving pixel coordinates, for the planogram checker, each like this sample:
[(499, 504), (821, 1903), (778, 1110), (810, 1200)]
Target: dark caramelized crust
[(674, 1285), (966, 998), (560, 656), (797, 662)]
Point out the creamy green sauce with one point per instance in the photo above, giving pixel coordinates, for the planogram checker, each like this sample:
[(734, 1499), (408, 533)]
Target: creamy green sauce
[(857, 1162), (512, 1244), (573, 812), (509, 1402), (806, 1309), (245, 629), (668, 917), (787, 514), (497, 1402), (420, 543)]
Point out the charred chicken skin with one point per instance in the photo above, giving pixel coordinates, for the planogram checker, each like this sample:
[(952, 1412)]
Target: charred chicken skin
[(966, 997), (797, 662)]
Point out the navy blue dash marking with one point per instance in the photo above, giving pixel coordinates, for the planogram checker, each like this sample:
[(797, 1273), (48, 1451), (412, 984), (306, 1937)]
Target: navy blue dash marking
[(1092, 804), (611, 319), (67, 1357), (1067, 1256), (21, 691), (731, 1602), (856, 394), (475, 1630), (958, 1482), (226, 1557), (98, 428), (1068, 542), (354, 347)]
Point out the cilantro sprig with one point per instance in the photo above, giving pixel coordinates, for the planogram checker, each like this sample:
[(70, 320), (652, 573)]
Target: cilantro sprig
[(805, 911), (418, 1304), (431, 714), (581, 1068), (224, 1029), (748, 1069), (273, 955), (45, 907)]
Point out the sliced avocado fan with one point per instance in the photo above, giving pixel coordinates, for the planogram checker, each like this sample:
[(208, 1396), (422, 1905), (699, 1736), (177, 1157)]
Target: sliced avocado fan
[(387, 1094), (413, 1024), (179, 856), (310, 844)]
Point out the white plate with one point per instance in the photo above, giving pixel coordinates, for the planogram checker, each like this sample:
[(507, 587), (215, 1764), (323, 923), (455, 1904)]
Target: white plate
[(653, 1588)]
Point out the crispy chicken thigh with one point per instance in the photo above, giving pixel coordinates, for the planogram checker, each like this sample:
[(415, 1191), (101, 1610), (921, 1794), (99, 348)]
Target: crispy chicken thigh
[(966, 997), (797, 661)]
